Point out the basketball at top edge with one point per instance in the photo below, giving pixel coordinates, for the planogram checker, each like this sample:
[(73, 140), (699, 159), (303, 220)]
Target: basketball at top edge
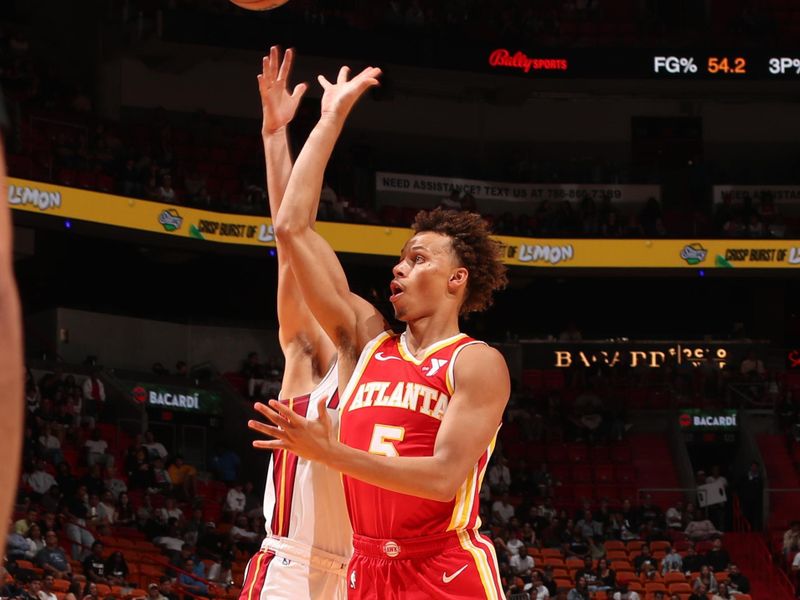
[(259, 4)]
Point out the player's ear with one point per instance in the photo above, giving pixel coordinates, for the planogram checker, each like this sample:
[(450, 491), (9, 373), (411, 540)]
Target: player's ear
[(458, 279)]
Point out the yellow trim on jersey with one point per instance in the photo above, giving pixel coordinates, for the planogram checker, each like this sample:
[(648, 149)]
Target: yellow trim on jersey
[(260, 558), (450, 373), (469, 491), (361, 366), (482, 564), (491, 555), (406, 353)]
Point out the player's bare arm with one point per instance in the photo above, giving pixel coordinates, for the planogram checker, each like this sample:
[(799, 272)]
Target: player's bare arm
[(469, 425), (347, 319), (307, 350), (11, 364)]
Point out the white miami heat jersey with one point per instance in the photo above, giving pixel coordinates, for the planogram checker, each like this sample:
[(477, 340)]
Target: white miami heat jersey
[(304, 500)]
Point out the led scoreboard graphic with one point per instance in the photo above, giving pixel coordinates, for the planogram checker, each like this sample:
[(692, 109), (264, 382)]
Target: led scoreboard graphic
[(606, 63)]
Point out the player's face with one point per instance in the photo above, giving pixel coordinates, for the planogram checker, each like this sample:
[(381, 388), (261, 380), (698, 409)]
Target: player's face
[(421, 277)]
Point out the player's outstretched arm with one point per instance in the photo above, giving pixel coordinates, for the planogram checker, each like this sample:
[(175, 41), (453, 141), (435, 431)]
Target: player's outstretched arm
[(468, 429), (298, 332), (11, 363), (347, 320)]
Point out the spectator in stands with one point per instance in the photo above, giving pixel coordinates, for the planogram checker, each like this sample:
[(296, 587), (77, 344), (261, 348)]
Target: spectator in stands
[(522, 564), (235, 501), (751, 495), (94, 480), (140, 471), (225, 464), (50, 445), (623, 593), (76, 511), (66, 482), (170, 510), (672, 562), (588, 526), (701, 529), (722, 592), (166, 589), (674, 516), (106, 509), (10, 588), (94, 566), (50, 522), (17, 545), (47, 593), (190, 582), (580, 591), (254, 373), (705, 580), (153, 593), (35, 540), (52, 559), (171, 540), (96, 450), (502, 509), (126, 515), (791, 539), (589, 573), (645, 557), (90, 591), (114, 484), (94, 397), (155, 449), (221, 574), (499, 476), (51, 501), (34, 587), (116, 570), (605, 576), (538, 591), (692, 561), (22, 526), (161, 481), (39, 479), (737, 582), (718, 558), (166, 193), (243, 537)]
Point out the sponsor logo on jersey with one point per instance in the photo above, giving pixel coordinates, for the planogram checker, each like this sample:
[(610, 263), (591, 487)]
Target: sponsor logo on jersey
[(411, 396), (436, 364), (448, 578), (380, 356)]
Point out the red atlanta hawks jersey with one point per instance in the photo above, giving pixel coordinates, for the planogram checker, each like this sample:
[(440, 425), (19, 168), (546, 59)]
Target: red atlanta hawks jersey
[(393, 405), (304, 500)]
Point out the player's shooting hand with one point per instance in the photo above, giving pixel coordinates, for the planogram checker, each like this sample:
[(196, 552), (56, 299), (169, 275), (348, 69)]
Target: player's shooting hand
[(338, 98), (309, 438), (277, 104)]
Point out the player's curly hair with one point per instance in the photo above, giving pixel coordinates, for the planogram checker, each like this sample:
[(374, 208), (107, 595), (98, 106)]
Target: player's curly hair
[(479, 253)]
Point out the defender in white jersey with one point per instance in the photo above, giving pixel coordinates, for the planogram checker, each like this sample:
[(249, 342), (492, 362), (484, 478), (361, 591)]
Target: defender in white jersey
[(309, 539)]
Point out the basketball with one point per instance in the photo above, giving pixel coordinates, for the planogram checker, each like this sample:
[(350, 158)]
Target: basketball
[(259, 4)]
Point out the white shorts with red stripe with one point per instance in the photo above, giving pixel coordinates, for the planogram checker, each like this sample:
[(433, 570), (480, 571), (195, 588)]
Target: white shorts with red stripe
[(285, 570)]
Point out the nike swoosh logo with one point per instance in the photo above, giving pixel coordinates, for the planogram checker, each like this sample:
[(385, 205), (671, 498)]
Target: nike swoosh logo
[(448, 578), (380, 356)]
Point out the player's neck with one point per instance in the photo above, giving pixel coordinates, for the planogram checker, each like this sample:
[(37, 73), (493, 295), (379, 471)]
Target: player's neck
[(423, 333)]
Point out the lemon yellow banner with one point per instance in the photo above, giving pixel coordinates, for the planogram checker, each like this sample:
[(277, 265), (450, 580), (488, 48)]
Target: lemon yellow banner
[(184, 222)]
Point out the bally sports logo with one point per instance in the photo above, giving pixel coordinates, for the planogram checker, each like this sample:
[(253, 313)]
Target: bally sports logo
[(170, 220)]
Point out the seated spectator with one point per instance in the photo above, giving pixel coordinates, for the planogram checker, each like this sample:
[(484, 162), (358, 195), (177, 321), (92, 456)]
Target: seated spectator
[(718, 558), (154, 593), (190, 582), (588, 526), (106, 509), (549, 581), (114, 484), (737, 582), (170, 510), (23, 525), (18, 546), (166, 589), (52, 559), (235, 501), (10, 588), (117, 569), (502, 509), (76, 512), (52, 500), (499, 476), (522, 564), (94, 480), (39, 480), (161, 481), (643, 558), (243, 537), (701, 529), (254, 373), (67, 483), (674, 516), (47, 593), (580, 591), (166, 193), (140, 471), (74, 591), (125, 513), (94, 398), (35, 540), (791, 539), (692, 561), (50, 445), (722, 592), (96, 450), (225, 464), (171, 540), (605, 576), (623, 593), (672, 562), (705, 580), (221, 573), (155, 449), (90, 591), (588, 572), (94, 566)]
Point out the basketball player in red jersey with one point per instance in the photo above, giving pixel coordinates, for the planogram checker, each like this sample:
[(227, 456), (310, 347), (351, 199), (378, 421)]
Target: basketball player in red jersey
[(420, 411), (11, 363), (309, 539)]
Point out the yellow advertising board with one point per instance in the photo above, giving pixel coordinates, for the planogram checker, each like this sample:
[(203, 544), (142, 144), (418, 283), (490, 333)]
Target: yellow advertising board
[(184, 222)]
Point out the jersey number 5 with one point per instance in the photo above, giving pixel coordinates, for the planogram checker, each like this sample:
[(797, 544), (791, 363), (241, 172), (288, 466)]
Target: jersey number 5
[(382, 438)]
